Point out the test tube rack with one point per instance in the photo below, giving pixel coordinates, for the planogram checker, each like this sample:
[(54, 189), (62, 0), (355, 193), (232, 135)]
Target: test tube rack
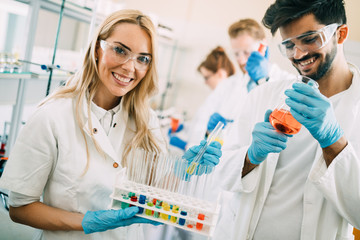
[(192, 206), (159, 184)]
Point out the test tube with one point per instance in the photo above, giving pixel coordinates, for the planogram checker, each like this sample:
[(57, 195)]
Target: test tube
[(175, 210), (149, 212), (142, 199), (157, 214), (213, 135), (182, 220), (199, 225)]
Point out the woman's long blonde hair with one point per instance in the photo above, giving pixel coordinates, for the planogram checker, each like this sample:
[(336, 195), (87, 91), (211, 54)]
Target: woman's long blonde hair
[(136, 102)]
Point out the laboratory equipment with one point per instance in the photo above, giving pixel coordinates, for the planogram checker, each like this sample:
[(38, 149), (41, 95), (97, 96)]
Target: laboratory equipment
[(174, 124), (213, 136), (281, 118), (165, 191)]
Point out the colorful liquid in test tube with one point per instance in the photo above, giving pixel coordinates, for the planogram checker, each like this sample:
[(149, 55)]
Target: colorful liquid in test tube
[(182, 220), (212, 136), (148, 211), (199, 226), (174, 210), (166, 207)]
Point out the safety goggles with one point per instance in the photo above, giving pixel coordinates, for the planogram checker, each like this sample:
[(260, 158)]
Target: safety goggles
[(247, 52), (308, 42), (121, 55)]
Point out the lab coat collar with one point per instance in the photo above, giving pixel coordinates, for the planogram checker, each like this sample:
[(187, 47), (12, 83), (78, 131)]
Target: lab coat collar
[(112, 148)]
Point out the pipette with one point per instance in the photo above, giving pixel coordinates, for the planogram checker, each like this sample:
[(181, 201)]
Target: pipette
[(213, 135)]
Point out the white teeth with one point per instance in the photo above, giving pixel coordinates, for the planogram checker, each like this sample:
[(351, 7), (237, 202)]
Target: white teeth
[(122, 79), (311, 60)]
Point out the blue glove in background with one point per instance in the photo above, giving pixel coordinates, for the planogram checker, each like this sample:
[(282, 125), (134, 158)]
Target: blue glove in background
[(251, 85), (177, 142), (214, 119), (265, 140), (102, 220), (313, 110), (257, 65), (180, 127), (210, 158)]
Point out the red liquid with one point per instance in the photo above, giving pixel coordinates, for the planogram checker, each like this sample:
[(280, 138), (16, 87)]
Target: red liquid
[(283, 121)]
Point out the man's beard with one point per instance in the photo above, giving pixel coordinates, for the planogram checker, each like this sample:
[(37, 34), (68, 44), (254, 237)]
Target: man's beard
[(324, 67)]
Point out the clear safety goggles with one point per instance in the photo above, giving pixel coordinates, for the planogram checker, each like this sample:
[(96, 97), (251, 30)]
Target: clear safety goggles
[(121, 55), (257, 46), (308, 42)]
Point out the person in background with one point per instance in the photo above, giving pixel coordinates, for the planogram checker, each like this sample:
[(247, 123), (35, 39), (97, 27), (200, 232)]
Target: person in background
[(62, 168), (248, 42), (305, 186), (216, 68)]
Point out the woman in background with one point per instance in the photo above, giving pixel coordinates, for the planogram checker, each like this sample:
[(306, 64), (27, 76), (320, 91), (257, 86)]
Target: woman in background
[(217, 67)]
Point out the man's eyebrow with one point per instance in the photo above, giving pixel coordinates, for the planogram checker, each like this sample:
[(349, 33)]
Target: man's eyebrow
[(123, 45)]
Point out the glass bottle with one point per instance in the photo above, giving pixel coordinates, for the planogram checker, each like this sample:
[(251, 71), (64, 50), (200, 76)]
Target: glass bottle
[(281, 118)]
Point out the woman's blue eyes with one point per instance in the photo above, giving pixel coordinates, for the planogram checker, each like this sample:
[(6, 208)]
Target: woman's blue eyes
[(119, 50), (144, 59), (141, 59)]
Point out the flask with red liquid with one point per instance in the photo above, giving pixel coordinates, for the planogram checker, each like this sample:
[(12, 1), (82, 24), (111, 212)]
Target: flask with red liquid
[(281, 118)]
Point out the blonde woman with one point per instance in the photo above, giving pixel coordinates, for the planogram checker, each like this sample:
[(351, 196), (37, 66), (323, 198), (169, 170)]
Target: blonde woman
[(71, 148)]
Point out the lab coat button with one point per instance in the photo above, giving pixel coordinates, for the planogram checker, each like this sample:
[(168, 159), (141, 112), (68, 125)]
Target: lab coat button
[(95, 130), (115, 165), (114, 125)]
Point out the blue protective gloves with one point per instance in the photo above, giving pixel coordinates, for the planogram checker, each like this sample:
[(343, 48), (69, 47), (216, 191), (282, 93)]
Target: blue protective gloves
[(214, 119), (177, 142), (265, 140), (210, 158), (180, 127), (257, 65), (102, 220), (313, 110)]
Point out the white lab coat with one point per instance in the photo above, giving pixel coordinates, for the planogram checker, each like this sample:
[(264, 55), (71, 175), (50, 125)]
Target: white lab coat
[(226, 99), (331, 195), (49, 158)]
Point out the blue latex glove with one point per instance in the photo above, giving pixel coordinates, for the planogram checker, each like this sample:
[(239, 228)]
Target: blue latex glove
[(313, 110), (180, 127), (210, 158), (257, 66), (214, 119), (265, 140), (102, 220), (177, 142), (251, 85)]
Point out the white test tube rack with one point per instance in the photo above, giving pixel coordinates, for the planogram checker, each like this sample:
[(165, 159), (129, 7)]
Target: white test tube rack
[(175, 191)]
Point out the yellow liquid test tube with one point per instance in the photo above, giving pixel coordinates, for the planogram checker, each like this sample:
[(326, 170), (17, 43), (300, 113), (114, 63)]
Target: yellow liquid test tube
[(174, 210), (212, 136), (166, 207)]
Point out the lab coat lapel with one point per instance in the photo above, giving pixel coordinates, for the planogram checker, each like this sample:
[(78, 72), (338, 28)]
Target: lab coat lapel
[(101, 138), (118, 130), (99, 134)]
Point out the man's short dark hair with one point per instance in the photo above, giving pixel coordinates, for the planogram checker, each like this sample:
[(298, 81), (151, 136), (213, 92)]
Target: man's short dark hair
[(283, 12)]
